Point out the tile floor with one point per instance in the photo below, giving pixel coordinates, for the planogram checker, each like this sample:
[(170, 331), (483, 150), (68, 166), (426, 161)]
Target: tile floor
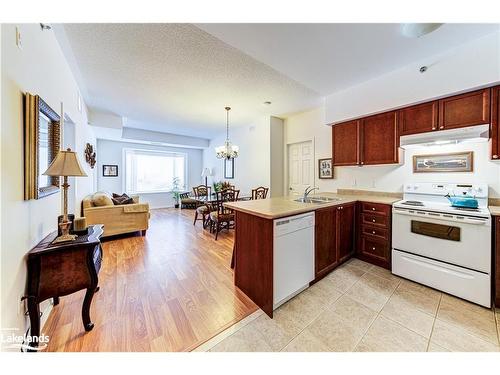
[(361, 307)]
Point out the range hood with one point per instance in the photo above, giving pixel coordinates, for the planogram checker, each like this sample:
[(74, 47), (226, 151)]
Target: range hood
[(479, 133)]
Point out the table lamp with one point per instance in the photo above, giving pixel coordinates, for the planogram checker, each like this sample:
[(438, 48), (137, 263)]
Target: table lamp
[(65, 164), (205, 173)]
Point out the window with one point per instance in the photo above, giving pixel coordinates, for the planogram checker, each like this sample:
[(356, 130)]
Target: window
[(154, 171)]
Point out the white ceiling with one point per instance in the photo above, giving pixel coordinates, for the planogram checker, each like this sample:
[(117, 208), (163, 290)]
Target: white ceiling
[(178, 78), (332, 57)]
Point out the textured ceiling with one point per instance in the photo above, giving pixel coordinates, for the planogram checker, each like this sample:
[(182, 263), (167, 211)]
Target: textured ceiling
[(331, 57), (177, 78)]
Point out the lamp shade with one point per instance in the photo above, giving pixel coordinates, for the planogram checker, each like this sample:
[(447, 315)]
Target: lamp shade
[(65, 164), (206, 172)]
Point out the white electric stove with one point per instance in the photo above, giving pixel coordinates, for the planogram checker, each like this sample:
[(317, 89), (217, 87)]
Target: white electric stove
[(445, 247)]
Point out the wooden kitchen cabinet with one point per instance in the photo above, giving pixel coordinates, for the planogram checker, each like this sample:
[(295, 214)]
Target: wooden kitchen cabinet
[(374, 233), (346, 224), (379, 139), (419, 118), (472, 108), (345, 143), (334, 237), (325, 241), (495, 123), (367, 141)]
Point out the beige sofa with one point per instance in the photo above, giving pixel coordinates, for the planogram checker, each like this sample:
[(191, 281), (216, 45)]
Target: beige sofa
[(117, 219)]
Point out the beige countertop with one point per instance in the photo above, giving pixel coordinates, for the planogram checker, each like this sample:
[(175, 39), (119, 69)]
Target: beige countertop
[(273, 208), (494, 210)]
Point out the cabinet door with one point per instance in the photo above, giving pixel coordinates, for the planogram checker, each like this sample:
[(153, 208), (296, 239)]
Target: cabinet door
[(419, 118), (346, 217), (472, 108), (497, 262), (379, 139), (325, 240), (495, 123), (345, 142)]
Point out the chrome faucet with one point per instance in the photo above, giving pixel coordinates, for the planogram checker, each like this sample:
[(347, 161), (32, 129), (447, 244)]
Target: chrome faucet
[(308, 191)]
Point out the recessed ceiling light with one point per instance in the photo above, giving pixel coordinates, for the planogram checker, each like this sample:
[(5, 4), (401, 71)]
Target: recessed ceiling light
[(267, 102)]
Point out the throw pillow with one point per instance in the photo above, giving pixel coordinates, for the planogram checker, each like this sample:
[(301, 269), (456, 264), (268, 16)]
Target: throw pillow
[(102, 199), (121, 199)]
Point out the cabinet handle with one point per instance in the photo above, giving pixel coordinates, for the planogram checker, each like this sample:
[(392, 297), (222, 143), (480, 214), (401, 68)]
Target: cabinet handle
[(361, 163), (373, 220), (373, 232), (441, 127), (373, 208), (433, 128), (373, 248), (495, 156)]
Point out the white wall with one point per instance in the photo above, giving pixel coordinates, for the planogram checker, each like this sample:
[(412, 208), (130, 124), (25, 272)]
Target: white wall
[(471, 65), (252, 168), (111, 152), (40, 68)]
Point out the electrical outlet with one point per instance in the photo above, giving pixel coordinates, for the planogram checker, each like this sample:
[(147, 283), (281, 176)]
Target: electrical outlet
[(19, 40)]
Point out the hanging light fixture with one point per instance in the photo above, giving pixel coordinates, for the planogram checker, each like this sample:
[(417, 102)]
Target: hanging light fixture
[(228, 151)]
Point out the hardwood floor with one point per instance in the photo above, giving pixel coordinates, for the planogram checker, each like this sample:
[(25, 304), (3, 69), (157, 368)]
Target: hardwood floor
[(168, 291)]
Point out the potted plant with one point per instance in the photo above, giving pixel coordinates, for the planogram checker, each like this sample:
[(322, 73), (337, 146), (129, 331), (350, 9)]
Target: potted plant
[(175, 191), (217, 186)]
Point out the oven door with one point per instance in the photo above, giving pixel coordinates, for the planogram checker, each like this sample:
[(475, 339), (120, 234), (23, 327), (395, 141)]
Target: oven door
[(459, 240)]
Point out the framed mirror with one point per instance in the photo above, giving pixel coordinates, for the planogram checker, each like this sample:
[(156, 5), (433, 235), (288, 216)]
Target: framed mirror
[(41, 144)]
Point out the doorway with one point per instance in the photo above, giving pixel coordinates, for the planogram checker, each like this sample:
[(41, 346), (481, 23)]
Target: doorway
[(300, 167)]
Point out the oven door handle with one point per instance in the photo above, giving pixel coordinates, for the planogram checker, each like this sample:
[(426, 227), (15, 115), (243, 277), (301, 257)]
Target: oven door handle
[(437, 216)]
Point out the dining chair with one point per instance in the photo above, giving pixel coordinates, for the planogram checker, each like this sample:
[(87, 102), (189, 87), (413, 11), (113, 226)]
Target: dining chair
[(202, 195), (187, 201), (259, 193), (223, 217)]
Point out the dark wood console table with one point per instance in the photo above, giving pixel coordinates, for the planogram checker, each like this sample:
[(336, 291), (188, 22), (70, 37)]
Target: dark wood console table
[(56, 270)]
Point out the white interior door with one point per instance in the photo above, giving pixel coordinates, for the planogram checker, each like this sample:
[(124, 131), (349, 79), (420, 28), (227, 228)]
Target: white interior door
[(300, 167)]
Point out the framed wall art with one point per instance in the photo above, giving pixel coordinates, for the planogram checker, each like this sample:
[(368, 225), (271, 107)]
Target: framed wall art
[(325, 168), (110, 170), (452, 162), (229, 168)]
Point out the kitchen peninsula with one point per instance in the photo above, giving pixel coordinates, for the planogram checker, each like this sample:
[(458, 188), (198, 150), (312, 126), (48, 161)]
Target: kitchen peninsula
[(344, 224)]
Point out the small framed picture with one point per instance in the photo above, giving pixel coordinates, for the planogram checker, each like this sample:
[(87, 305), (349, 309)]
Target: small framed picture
[(229, 168), (110, 170), (325, 168)]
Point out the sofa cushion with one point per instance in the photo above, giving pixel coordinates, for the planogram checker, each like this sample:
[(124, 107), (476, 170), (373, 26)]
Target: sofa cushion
[(121, 199), (102, 199)]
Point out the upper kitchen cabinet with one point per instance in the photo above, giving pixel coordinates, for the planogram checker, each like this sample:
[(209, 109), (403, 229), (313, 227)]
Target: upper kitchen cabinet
[(419, 118), (472, 108), (345, 143), (495, 123), (379, 139)]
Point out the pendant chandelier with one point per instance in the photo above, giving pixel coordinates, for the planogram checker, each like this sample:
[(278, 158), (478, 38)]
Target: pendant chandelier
[(228, 151)]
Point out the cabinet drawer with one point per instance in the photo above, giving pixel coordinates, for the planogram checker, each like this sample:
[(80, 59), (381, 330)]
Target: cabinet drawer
[(379, 208), (374, 232), (375, 248), (375, 220)]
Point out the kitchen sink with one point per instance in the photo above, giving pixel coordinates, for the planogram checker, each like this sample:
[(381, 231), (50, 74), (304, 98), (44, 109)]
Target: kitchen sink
[(316, 200)]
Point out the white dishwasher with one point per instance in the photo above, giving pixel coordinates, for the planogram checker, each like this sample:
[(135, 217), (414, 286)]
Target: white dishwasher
[(293, 263)]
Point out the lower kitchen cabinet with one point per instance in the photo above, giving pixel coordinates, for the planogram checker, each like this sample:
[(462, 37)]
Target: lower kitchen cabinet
[(374, 233), (334, 237)]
